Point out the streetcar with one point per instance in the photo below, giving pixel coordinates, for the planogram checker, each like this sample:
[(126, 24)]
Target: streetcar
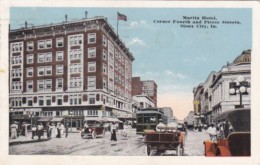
[(148, 118)]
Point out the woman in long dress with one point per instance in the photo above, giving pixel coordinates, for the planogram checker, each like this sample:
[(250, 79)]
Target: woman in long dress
[(53, 130), (113, 132)]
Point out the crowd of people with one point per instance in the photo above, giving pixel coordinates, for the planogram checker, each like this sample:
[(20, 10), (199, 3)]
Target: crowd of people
[(219, 130), (52, 130)]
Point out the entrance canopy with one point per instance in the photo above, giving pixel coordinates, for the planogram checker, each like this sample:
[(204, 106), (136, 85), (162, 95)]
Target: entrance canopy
[(44, 119), (57, 119)]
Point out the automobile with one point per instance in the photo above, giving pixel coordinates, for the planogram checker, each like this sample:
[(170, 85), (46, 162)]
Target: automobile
[(93, 127), (181, 127), (234, 135)]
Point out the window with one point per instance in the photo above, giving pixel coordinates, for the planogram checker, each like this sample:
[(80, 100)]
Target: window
[(16, 85), (48, 57), (48, 43), (48, 84), (75, 54), (75, 40), (75, 82), (59, 69), (29, 72), (16, 72), (48, 100), (92, 67), (41, 44), (75, 99), (41, 100), (92, 99), (41, 58), (91, 38), (40, 85), (92, 113), (104, 68), (59, 42), (17, 46), (30, 46), (29, 101), (92, 52), (59, 83), (17, 60), (29, 58), (59, 56), (104, 41), (59, 101), (104, 54), (104, 83), (75, 68), (91, 82), (48, 70), (29, 85)]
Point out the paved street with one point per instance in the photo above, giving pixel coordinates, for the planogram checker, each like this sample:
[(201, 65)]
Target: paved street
[(131, 146)]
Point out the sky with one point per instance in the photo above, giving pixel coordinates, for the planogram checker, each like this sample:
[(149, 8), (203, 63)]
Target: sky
[(176, 58)]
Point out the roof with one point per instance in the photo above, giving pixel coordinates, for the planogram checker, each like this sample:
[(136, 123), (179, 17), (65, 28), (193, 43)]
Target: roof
[(245, 57)]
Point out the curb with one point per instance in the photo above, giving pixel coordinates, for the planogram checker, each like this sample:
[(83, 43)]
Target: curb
[(28, 141)]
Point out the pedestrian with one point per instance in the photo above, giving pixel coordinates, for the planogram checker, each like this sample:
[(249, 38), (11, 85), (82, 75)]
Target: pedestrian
[(66, 130), (53, 130), (39, 131), (14, 129), (58, 130), (33, 131), (23, 129), (113, 132), (47, 128), (160, 126), (212, 131)]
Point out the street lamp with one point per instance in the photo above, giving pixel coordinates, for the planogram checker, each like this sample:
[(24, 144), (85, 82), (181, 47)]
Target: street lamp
[(71, 115), (240, 86)]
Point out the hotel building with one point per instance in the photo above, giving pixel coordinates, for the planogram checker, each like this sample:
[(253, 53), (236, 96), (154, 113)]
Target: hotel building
[(70, 70)]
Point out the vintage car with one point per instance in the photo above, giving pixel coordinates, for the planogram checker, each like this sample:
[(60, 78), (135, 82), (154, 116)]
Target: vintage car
[(234, 138), (93, 127)]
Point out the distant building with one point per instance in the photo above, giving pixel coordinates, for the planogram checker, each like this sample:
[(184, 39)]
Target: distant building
[(214, 96), (146, 87), (144, 101), (71, 70), (168, 112)]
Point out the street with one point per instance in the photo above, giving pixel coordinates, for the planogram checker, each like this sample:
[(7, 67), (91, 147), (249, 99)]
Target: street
[(124, 146)]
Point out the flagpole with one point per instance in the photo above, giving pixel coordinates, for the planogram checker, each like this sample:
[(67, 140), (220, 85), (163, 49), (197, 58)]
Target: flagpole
[(117, 25)]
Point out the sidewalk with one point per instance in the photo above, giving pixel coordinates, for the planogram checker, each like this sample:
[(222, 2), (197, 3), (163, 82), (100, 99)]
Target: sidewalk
[(27, 139)]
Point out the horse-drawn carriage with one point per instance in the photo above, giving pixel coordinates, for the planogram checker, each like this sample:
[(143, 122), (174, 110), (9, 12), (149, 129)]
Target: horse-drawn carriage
[(161, 141)]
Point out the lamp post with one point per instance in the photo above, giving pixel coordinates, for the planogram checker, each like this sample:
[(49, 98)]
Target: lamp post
[(71, 114), (240, 86)]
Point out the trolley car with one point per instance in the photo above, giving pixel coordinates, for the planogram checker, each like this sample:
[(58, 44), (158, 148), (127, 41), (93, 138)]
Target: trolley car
[(148, 118)]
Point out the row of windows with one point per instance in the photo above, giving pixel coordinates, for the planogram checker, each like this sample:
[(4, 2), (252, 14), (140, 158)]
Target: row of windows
[(45, 57), (44, 85), (45, 71)]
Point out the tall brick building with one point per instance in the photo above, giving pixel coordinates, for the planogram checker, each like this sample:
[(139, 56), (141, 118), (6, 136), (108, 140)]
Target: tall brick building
[(147, 87), (78, 68)]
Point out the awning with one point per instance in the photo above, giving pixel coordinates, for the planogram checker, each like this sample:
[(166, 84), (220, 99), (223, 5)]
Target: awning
[(57, 119), (44, 119), (110, 119), (95, 119)]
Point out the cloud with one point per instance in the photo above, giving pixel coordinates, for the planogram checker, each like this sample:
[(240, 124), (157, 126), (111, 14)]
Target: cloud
[(137, 42), (139, 24)]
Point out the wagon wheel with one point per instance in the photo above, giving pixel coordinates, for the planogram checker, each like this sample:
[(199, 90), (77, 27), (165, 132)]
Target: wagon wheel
[(94, 135), (148, 150), (82, 134), (178, 150)]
